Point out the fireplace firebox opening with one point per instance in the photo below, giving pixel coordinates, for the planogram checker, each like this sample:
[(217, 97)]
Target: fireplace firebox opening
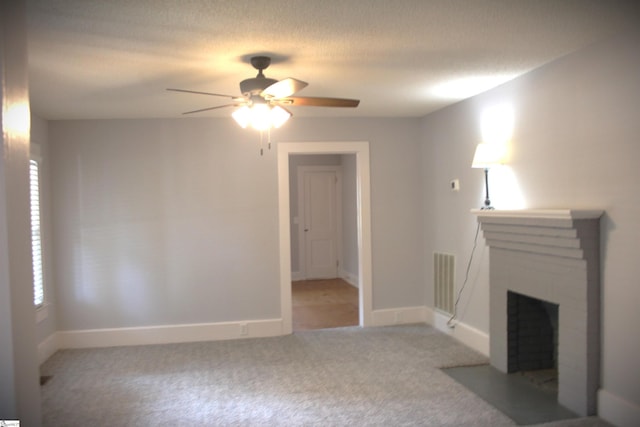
[(532, 334)]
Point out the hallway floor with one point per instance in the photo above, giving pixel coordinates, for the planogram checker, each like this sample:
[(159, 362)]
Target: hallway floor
[(321, 304)]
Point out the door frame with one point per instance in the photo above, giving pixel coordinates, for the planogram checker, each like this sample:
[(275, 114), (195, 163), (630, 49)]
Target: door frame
[(302, 249), (365, 280)]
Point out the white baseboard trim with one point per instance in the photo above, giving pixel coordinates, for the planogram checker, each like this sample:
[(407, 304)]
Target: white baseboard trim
[(399, 316), (169, 334), (48, 347), (468, 335), (296, 275), (616, 410), (351, 279)]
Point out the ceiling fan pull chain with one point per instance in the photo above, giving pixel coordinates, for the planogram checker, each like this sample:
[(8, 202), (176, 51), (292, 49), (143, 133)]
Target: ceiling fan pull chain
[(261, 149), (269, 138)]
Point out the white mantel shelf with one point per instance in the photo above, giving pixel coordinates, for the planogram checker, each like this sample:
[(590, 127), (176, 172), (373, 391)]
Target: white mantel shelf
[(540, 213)]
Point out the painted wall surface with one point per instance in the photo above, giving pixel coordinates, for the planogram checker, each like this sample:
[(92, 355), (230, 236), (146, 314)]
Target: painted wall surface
[(575, 144), (349, 268), (19, 386), (40, 142), (160, 222)]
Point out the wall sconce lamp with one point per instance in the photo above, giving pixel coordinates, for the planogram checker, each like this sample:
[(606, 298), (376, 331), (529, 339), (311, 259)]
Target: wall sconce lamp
[(487, 156)]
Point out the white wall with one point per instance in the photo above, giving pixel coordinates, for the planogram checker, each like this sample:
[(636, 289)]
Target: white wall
[(19, 387), (575, 144), (349, 268), (161, 222)]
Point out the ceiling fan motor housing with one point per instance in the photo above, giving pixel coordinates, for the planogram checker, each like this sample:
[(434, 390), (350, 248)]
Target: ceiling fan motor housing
[(255, 85)]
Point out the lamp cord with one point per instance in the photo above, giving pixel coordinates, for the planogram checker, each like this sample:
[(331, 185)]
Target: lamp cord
[(466, 279)]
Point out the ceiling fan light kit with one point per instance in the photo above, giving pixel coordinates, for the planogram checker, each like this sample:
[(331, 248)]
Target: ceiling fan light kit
[(262, 100), (261, 116)]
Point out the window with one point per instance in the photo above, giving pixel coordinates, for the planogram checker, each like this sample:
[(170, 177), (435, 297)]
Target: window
[(36, 237)]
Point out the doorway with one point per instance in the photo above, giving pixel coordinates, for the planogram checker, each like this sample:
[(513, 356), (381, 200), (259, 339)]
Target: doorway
[(317, 207), (363, 222), (321, 203)]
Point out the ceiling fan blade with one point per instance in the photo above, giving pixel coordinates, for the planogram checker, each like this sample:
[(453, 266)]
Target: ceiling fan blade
[(211, 108), (307, 101), (236, 98), (283, 88)]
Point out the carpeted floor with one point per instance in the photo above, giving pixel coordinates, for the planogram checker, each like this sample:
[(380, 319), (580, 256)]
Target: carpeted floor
[(336, 377)]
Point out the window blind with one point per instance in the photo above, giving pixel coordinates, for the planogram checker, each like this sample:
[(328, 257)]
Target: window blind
[(36, 237)]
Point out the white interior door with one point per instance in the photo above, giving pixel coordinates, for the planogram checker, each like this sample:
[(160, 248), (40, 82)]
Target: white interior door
[(320, 225)]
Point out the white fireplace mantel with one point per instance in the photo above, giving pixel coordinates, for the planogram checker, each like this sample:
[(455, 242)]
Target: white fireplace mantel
[(551, 232), (551, 255), (540, 213)]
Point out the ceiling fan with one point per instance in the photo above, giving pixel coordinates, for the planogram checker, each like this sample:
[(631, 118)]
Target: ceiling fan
[(265, 96)]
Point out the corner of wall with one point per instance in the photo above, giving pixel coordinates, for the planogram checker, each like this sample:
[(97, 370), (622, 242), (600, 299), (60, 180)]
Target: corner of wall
[(351, 279), (468, 335), (616, 410), (48, 347)]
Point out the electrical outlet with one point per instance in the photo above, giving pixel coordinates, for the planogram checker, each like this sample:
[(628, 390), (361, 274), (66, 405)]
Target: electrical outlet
[(244, 329)]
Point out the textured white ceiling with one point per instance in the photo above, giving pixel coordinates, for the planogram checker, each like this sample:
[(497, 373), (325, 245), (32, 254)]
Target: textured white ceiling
[(114, 59)]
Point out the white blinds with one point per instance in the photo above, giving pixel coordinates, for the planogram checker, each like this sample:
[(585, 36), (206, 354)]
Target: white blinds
[(36, 241)]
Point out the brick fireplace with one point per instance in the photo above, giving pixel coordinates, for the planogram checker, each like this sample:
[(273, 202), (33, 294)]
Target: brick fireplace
[(545, 263)]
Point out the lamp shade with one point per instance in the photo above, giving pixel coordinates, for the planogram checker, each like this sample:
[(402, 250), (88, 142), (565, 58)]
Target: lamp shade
[(242, 116), (279, 116), (488, 155)]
